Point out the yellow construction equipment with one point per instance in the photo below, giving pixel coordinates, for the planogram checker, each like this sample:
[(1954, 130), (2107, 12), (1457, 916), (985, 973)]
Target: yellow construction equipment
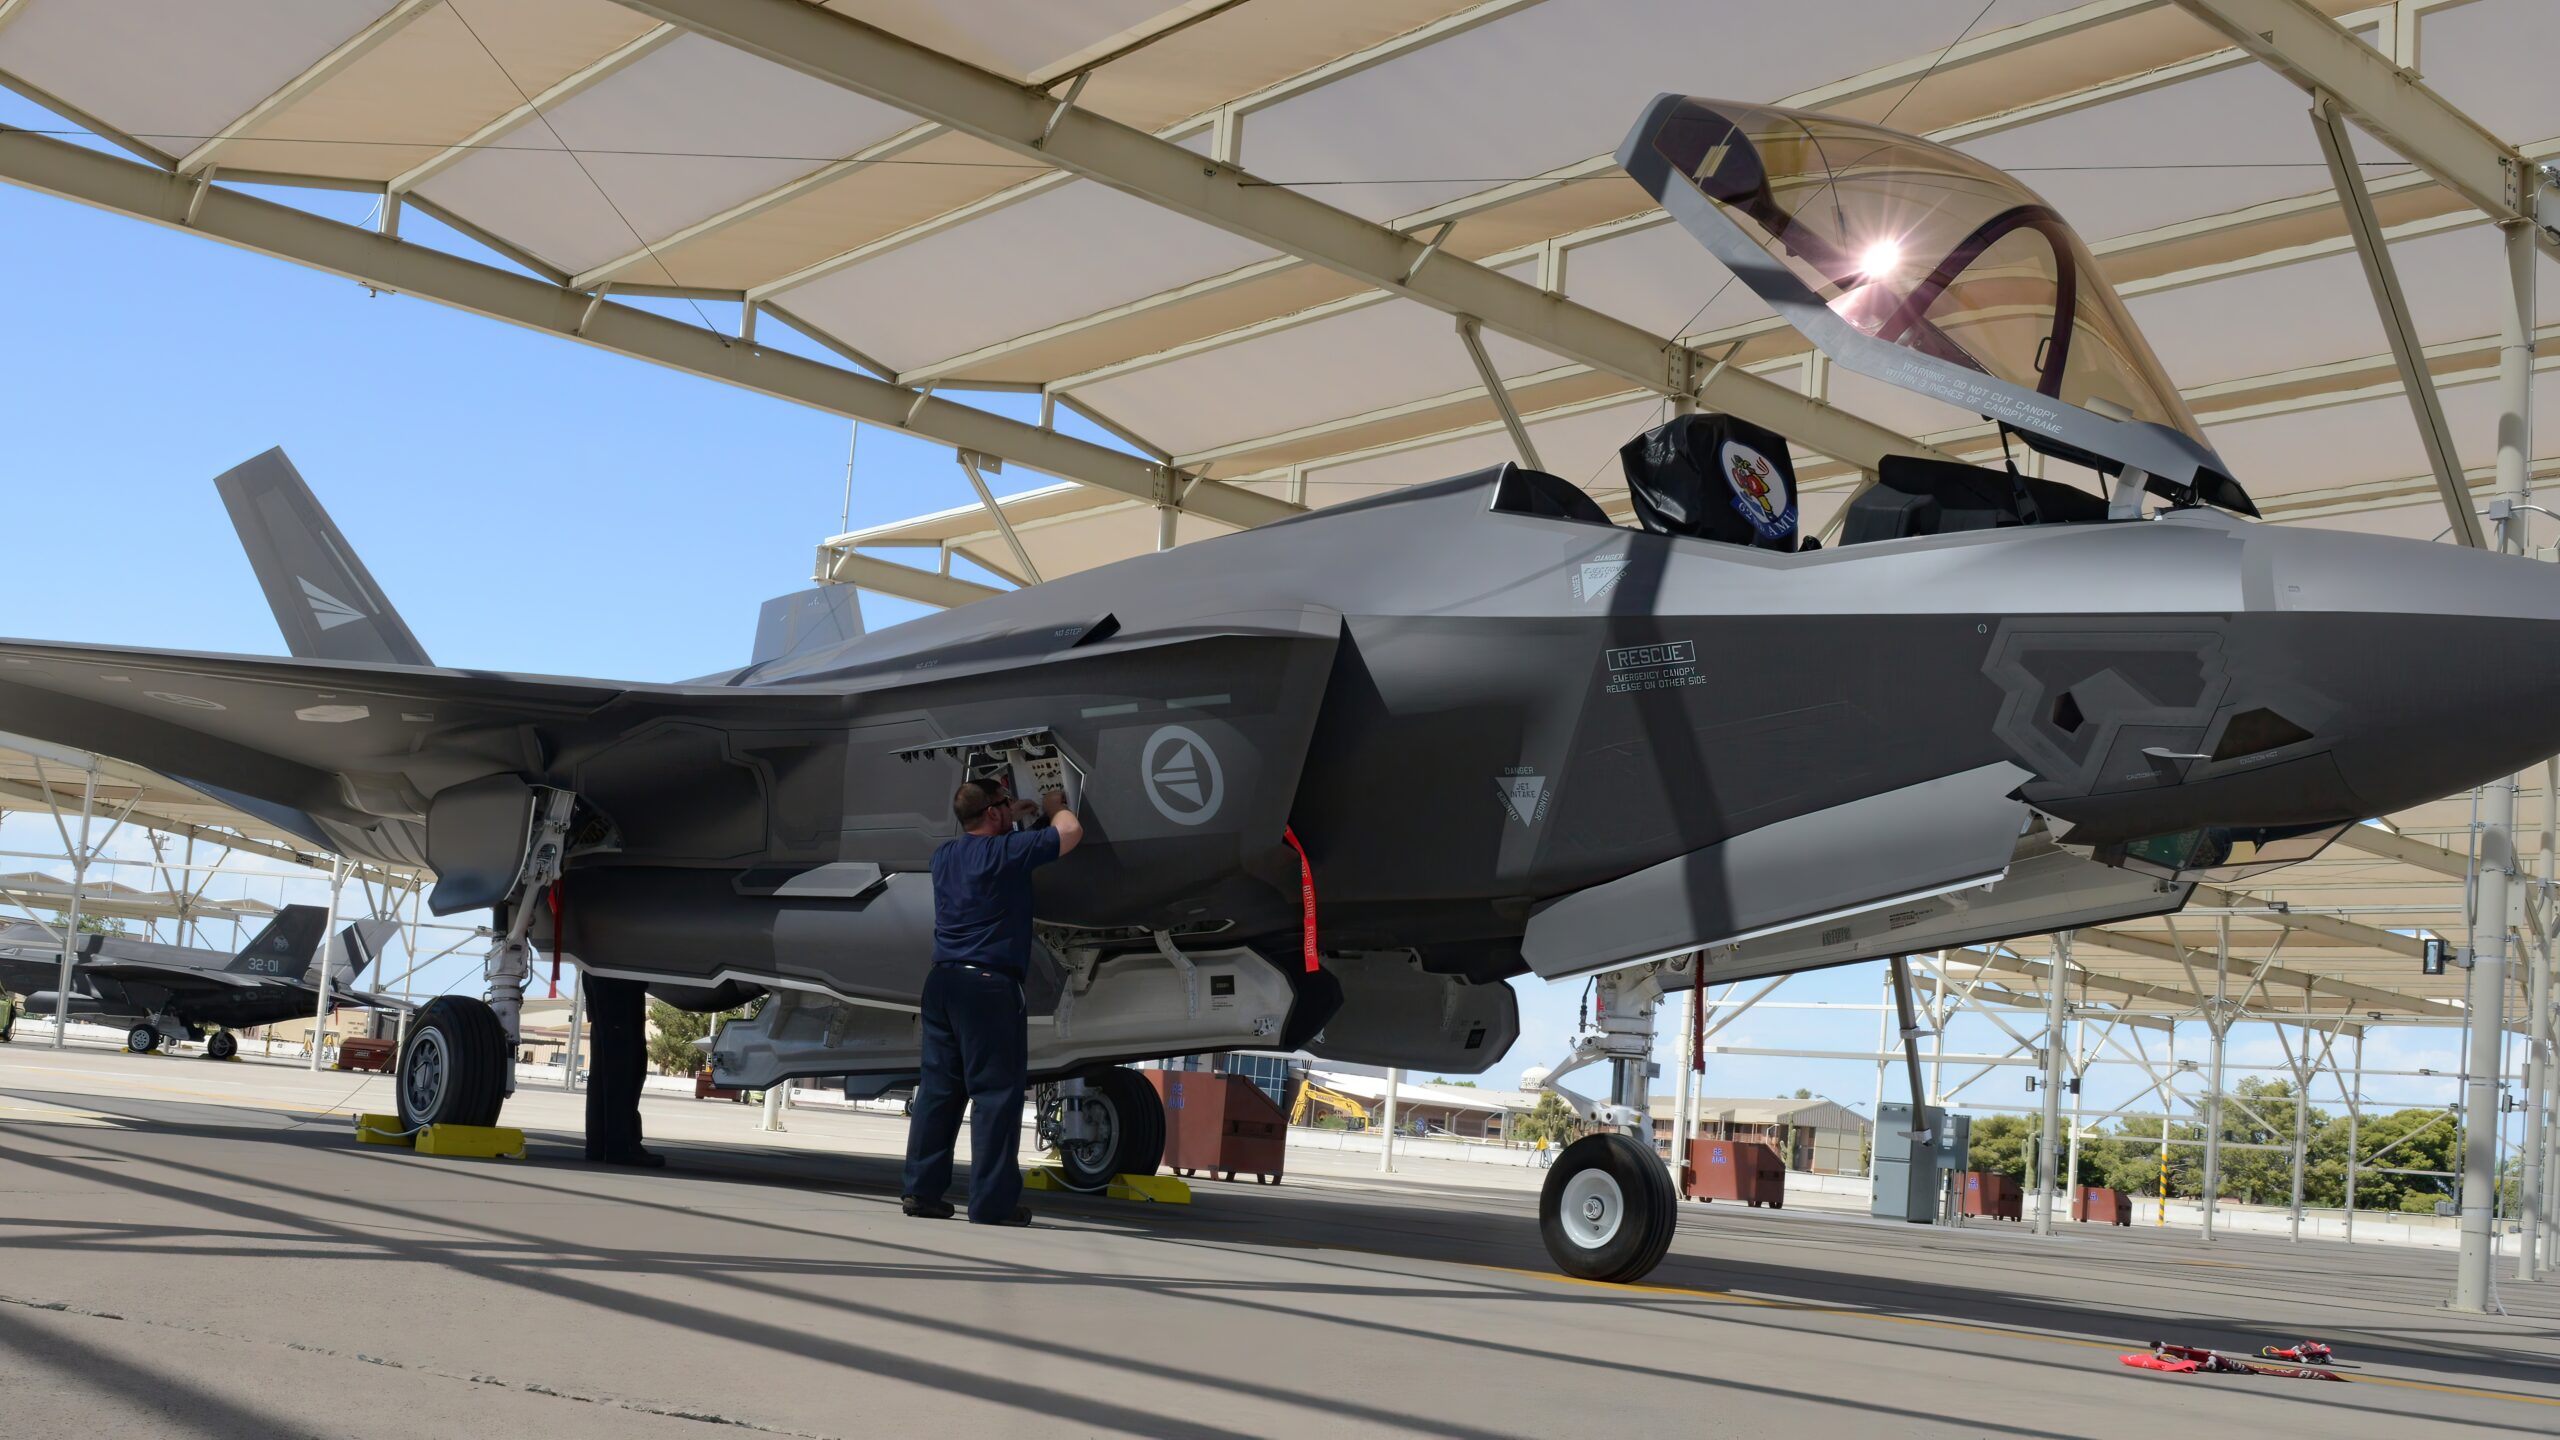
[(1311, 1092)]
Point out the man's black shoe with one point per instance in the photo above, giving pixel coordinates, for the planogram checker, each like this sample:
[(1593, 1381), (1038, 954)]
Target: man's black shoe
[(1021, 1216), (925, 1209), (635, 1157)]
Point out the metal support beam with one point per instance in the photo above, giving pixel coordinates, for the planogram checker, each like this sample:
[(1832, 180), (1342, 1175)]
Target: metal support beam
[(2365, 228), (81, 854), (2494, 844), (888, 577), (329, 937), (557, 92), (76, 173), (1004, 525), (2531, 1215), (2218, 1024), (1493, 386), (895, 71), (2048, 1130), (321, 72), (2323, 57)]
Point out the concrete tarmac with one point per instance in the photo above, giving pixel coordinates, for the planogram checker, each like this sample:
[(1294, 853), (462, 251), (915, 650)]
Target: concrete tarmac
[(190, 1248)]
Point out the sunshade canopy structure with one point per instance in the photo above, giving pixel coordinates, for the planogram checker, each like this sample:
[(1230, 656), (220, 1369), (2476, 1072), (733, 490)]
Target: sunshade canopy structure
[(1284, 249)]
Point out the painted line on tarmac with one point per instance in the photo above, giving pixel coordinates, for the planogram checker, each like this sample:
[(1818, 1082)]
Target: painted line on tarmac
[(234, 1101), (1729, 1297)]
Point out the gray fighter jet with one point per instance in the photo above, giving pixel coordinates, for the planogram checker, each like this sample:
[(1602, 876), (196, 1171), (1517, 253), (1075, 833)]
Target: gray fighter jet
[(169, 993), (1346, 775)]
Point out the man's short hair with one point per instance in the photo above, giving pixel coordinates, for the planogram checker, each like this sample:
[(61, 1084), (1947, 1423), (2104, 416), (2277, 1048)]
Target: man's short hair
[(972, 800)]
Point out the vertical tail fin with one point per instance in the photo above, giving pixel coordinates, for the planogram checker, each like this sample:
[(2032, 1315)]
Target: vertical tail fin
[(805, 622), (324, 599), (286, 946)]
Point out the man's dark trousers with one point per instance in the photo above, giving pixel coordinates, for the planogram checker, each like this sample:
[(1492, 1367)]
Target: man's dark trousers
[(974, 1052), (618, 1013)]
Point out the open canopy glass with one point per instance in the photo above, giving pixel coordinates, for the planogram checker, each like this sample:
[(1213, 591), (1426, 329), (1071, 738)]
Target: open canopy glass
[(1928, 269)]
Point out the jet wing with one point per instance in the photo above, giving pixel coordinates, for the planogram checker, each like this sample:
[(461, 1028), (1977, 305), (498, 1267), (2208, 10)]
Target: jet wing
[(344, 754), (173, 978)]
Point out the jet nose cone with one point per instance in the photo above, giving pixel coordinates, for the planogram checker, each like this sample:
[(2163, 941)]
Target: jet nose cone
[(2440, 664)]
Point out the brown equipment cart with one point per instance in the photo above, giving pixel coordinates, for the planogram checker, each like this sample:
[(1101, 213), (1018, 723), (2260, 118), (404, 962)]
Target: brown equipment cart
[(1220, 1125), (2107, 1207), (358, 1052), (1743, 1170), (703, 1089), (1993, 1195)]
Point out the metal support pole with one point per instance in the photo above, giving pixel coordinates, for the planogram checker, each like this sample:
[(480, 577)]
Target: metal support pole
[(2047, 1153), (2071, 1153), (1387, 1135), (1166, 517), (328, 937), (777, 1097), (2537, 1118), (577, 1022), (2494, 853), (71, 912), (2160, 1217), (2220, 1025), (2355, 1113), (2301, 1120), (1684, 1106)]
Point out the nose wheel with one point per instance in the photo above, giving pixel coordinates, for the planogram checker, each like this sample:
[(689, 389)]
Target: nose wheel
[(1607, 1210), (1120, 1130), (141, 1039)]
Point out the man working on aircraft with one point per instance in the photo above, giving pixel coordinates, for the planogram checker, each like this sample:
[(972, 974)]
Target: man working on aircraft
[(975, 1039)]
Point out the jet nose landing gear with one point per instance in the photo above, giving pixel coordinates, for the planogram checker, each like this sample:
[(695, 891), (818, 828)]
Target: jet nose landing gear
[(1608, 1209), (1103, 1126)]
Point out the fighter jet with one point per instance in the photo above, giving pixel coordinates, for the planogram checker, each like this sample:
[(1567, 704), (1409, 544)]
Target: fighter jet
[(1346, 775), (169, 993)]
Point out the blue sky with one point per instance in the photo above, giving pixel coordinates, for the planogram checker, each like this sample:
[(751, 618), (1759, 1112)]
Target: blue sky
[(531, 504)]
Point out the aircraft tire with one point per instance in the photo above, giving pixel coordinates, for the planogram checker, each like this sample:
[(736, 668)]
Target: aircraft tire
[(1133, 1136), (221, 1045), (141, 1039), (453, 1070), (1607, 1210)]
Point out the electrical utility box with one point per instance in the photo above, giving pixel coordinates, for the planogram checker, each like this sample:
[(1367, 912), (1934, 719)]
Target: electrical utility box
[(1911, 1177)]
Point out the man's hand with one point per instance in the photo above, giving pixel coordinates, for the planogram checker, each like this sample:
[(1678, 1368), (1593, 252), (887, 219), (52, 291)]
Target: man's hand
[(1024, 810), (1063, 820)]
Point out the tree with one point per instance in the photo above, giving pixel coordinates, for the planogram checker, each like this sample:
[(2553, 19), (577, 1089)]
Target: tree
[(2001, 1144), (672, 1033), (1550, 1119), (1459, 1084)]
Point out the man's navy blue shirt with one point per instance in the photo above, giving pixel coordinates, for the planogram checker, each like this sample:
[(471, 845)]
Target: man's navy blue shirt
[(982, 897)]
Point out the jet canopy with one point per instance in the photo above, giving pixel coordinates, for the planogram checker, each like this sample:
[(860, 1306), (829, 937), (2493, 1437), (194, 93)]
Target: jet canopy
[(1927, 269)]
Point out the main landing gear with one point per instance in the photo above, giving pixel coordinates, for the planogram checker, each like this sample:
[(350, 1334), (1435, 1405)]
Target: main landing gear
[(457, 1065), (1102, 1125), (1608, 1209)]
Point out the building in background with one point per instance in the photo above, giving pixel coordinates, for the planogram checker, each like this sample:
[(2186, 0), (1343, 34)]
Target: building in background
[(1819, 1136)]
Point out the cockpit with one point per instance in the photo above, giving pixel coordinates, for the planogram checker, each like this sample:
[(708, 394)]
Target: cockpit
[(1927, 269)]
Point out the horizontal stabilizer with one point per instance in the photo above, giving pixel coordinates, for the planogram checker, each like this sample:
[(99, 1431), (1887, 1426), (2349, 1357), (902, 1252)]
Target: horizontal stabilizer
[(324, 599), (1921, 840), (805, 622)]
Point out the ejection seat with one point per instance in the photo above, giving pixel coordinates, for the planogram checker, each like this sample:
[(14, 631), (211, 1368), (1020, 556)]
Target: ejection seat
[(1916, 496), (1715, 477)]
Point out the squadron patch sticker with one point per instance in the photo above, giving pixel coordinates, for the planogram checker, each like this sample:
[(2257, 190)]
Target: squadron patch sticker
[(1524, 794), (1667, 666), (1759, 491), (1595, 578)]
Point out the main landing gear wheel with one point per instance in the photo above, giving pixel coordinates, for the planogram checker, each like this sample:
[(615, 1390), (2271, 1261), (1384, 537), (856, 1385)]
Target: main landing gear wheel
[(222, 1045), (1128, 1131), (453, 1070), (141, 1039), (1608, 1211)]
